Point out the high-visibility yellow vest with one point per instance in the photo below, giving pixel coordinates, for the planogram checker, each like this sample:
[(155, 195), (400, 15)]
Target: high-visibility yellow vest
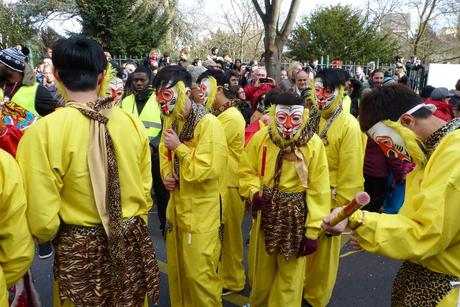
[(25, 97), (150, 115)]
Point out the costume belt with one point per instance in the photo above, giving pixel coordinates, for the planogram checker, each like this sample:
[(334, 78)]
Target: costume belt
[(84, 270), (283, 222)]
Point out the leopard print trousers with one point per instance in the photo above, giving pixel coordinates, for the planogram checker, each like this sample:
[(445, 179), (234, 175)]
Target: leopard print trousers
[(417, 286)]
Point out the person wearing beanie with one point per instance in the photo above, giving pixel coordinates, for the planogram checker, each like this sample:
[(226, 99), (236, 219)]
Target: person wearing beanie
[(439, 97), (224, 107), (87, 177), (289, 195), (193, 155), (344, 145), (425, 234), (21, 89)]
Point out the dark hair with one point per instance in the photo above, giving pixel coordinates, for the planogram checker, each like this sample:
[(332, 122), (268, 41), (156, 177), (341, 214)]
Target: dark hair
[(79, 61), (388, 102), (356, 85), (270, 97), (165, 54), (457, 85), (144, 70), (221, 80), (170, 75), (377, 70), (426, 91), (332, 77), (234, 73)]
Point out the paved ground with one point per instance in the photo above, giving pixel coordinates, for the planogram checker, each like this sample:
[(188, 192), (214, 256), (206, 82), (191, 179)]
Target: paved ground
[(363, 279)]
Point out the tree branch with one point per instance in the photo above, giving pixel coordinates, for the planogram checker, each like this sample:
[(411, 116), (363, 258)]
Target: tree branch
[(289, 22), (259, 10)]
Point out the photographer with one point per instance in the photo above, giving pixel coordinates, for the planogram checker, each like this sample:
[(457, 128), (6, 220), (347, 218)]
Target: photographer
[(261, 85)]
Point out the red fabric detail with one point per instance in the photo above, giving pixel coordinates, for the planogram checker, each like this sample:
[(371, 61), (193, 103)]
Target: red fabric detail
[(443, 109), (9, 141), (250, 131)]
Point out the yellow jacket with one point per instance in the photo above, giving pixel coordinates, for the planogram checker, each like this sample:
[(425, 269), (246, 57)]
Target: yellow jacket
[(426, 230), (318, 191), (345, 155), (16, 245), (52, 155), (233, 124), (202, 163)]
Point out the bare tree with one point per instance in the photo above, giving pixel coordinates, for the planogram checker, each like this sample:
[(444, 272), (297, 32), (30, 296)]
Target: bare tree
[(243, 22), (275, 36)]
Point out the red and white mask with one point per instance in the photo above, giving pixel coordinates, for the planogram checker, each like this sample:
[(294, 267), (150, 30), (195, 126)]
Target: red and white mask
[(390, 141), (167, 98), (288, 120), (324, 96), (116, 90), (205, 88)]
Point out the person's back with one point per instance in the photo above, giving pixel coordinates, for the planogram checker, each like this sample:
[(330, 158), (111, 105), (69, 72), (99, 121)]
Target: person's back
[(87, 172)]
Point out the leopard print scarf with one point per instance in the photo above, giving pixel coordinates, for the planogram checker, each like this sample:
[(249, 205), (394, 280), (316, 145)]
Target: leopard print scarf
[(283, 222), (433, 141), (225, 106), (98, 112), (197, 112)]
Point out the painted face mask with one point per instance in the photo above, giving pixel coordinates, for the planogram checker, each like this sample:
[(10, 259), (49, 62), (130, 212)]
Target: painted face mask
[(288, 120), (205, 88), (324, 96), (166, 98), (390, 141), (116, 90)]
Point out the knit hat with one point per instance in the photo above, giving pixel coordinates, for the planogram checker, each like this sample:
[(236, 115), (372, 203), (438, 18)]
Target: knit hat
[(13, 59), (195, 72), (289, 99), (209, 64), (440, 93)]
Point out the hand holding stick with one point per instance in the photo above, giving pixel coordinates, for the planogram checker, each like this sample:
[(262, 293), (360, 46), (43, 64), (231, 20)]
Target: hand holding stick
[(361, 199)]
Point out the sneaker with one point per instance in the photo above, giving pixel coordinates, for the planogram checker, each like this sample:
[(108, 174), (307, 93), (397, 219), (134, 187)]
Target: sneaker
[(45, 250), (227, 292)]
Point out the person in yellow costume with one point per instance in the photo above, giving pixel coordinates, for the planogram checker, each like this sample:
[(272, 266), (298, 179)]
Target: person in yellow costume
[(16, 244), (231, 268), (87, 175), (425, 233), (193, 157), (344, 144), (288, 202)]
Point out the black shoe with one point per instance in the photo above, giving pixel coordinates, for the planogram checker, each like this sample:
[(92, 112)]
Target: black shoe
[(227, 292), (45, 250)]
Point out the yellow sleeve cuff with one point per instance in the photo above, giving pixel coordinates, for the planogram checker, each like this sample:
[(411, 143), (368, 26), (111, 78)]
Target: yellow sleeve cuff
[(182, 150), (356, 219)]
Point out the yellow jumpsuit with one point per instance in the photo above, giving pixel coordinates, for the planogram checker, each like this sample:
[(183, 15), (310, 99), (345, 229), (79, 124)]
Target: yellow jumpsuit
[(193, 244), (16, 244), (426, 230), (231, 268), (52, 155), (345, 156), (279, 282)]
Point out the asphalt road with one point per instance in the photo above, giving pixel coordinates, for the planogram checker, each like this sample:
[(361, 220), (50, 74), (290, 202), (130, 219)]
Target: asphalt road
[(363, 280)]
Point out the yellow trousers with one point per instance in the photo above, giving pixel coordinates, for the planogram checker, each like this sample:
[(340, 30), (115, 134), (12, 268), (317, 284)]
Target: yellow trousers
[(192, 268), (231, 268), (278, 283), (321, 271)]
